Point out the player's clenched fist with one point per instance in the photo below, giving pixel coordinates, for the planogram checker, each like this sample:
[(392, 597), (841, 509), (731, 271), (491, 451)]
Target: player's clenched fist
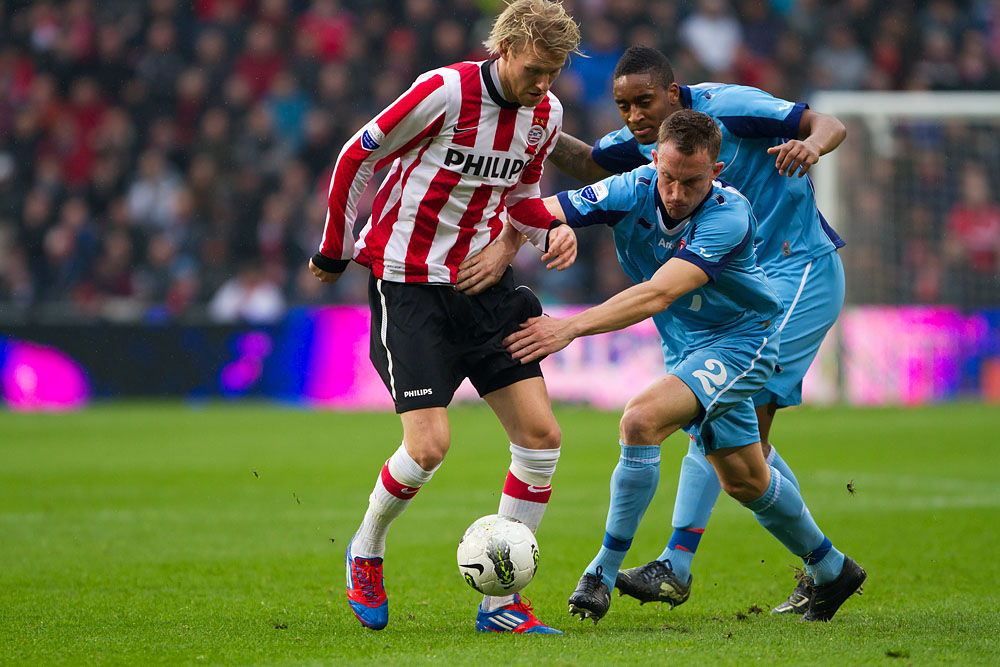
[(324, 276), (561, 252)]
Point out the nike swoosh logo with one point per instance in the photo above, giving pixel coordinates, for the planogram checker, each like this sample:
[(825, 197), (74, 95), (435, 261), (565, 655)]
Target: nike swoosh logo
[(539, 489), (460, 130), (474, 566), (409, 490), (704, 254)]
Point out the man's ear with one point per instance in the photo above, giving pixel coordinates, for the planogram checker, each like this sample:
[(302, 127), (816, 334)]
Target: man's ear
[(717, 169), (674, 94)]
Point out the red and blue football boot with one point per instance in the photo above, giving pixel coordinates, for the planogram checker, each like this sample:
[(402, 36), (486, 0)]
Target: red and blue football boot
[(365, 591), (515, 617)]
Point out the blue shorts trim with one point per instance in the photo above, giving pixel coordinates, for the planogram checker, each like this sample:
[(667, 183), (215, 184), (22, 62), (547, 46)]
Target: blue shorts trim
[(813, 293)]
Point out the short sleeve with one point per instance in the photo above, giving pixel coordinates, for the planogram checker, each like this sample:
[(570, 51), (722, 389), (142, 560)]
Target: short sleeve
[(751, 113), (606, 202), (618, 152), (720, 236)]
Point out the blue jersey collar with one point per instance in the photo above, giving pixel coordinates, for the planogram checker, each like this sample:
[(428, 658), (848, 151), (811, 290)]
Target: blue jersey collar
[(685, 97)]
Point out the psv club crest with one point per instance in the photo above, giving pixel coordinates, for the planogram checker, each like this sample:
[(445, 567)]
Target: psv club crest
[(535, 135)]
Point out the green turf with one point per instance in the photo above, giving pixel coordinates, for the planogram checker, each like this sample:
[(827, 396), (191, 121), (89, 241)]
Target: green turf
[(137, 534)]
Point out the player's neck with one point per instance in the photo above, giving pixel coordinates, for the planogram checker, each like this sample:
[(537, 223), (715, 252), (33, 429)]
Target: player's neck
[(497, 71)]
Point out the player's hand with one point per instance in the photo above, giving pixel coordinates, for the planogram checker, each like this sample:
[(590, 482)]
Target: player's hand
[(324, 276), (794, 155), (479, 273), (562, 248), (538, 337)]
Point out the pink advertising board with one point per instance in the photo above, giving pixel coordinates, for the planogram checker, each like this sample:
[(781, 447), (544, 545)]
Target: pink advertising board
[(603, 371)]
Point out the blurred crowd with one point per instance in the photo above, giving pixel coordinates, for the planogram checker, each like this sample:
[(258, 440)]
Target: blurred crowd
[(164, 159), (922, 212)]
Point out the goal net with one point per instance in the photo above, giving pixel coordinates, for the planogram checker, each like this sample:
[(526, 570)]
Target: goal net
[(915, 191)]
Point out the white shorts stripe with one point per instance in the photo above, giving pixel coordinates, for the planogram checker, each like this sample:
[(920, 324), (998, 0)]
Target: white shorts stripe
[(798, 293), (383, 332), (739, 377)]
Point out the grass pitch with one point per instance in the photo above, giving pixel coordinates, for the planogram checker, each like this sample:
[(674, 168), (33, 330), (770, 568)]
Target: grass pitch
[(141, 534)]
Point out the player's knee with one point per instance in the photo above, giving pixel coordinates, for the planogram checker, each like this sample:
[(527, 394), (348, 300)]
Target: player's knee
[(542, 436), (641, 427), (429, 458), (743, 489), (428, 450)]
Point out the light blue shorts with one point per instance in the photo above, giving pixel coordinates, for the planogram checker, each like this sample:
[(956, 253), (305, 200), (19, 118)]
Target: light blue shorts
[(724, 377), (813, 293)]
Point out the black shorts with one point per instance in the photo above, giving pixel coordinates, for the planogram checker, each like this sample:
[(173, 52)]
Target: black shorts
[(426, 339)]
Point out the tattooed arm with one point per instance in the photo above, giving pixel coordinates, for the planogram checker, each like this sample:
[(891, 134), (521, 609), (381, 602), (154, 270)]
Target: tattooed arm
[(572, 157)]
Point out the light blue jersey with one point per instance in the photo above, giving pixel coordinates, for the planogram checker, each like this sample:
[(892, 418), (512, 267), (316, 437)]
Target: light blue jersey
[(721, 339), (789, 225), (717, 237), (794, 243)]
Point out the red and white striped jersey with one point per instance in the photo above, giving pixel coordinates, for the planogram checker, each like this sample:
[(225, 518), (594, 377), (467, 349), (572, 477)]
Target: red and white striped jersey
[(462, 160)]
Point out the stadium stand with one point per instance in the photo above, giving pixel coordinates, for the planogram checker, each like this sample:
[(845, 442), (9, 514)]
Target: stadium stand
[(153, 153)]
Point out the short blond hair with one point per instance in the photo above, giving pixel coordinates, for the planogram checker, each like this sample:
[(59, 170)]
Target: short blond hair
[(535, 23)]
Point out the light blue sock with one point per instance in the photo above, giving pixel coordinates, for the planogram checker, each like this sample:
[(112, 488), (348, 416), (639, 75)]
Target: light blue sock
[(633, 484), (775, 461), (783, 513), (697, 492)]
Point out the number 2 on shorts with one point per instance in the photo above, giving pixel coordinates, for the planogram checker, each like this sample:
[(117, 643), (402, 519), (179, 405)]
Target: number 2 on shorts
[(715, 374)]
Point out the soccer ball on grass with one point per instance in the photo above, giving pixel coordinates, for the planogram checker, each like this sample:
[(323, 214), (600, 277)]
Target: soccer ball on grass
[(498, 555)]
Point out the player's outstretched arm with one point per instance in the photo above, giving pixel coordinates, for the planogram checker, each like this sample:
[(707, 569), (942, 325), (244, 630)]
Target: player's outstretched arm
[(540, 336), (574, 157), (818, 135)]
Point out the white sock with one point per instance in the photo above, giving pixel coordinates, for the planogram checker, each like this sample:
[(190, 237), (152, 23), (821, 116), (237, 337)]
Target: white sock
[(525, 495), (399, 481)]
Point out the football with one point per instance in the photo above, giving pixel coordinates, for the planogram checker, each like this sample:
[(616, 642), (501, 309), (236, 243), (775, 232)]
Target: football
[(497, 555)]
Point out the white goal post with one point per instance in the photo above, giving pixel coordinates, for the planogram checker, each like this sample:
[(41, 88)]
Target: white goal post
[(882, 129), (877, 110)]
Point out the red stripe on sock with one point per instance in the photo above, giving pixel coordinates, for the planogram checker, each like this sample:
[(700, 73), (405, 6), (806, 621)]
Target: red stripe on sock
[(401, 491), (680, 548), (700, 531), (522, 491)]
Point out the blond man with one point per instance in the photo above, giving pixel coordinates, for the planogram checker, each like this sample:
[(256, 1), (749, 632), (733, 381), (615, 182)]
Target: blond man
[(465, 147)]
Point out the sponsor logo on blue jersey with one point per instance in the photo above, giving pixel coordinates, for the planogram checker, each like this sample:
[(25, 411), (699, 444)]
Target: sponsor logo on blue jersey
[(594, 193)]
